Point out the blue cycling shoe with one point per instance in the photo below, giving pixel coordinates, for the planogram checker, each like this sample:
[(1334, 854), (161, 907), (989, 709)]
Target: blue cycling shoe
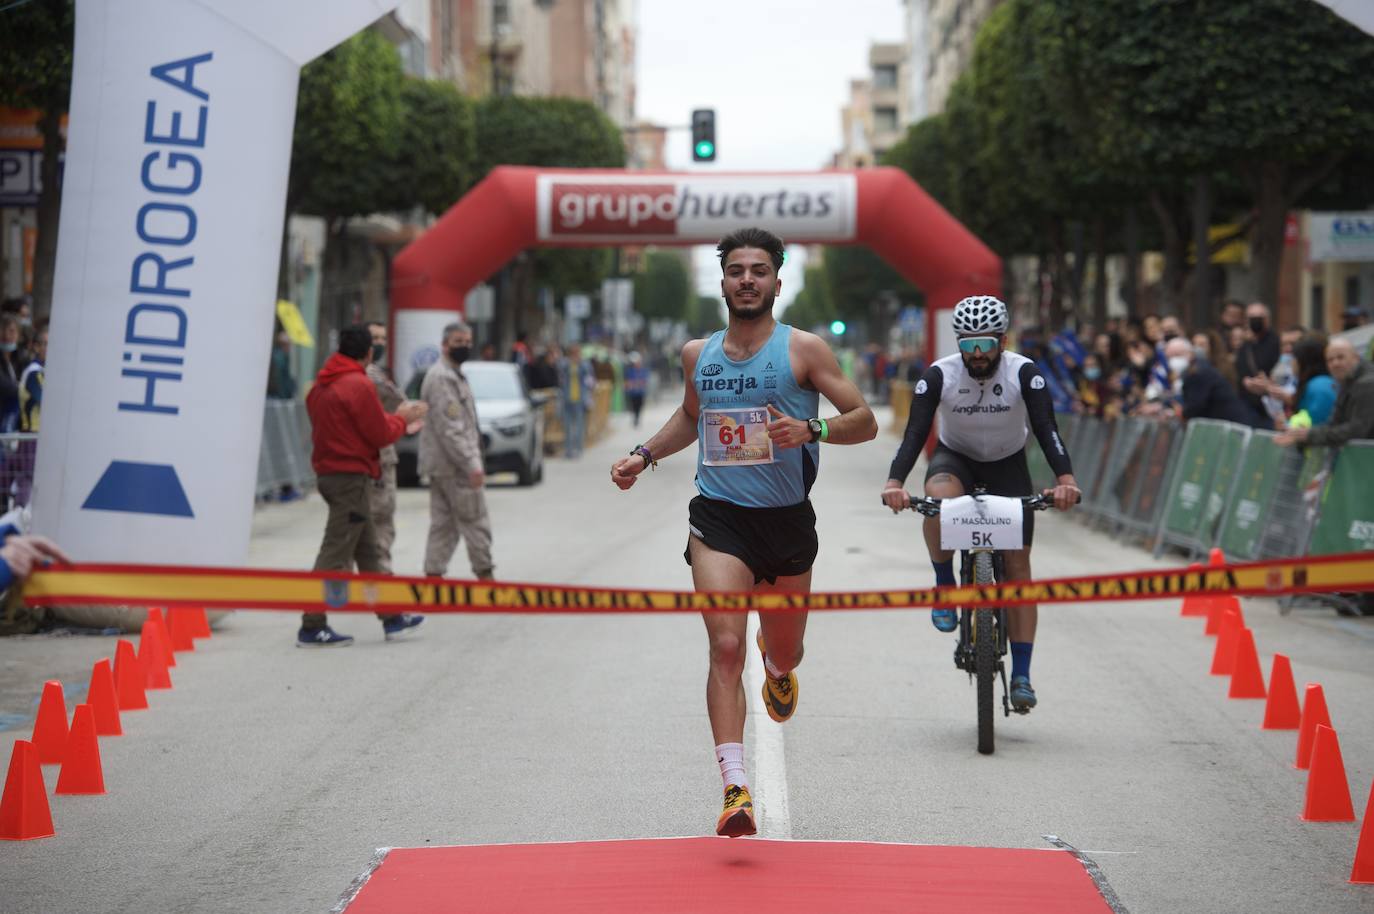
[(945, 620), (1022, 695)]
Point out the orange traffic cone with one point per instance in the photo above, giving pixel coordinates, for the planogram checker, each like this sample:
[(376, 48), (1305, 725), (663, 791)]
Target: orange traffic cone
[(50, 727), (201, 622), (103, 700), (156, 618), (1314, 715), (1363, 870), (24, 812), (1328, 791), (1246, 679), (1195, 604), (1281, 711), (130, 680), (179, 629), (1220, 607), (1224, 655), (81, 773), (153, 657)]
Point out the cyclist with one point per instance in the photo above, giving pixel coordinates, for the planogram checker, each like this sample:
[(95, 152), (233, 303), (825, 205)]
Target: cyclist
[(985, 397), (751, 406)]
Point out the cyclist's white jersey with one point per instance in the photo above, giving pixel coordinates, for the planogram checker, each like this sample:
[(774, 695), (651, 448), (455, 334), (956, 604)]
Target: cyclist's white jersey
[(984, 420)]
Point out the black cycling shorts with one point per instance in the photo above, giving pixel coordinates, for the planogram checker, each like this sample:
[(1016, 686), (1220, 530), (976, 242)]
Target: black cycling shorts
[(1008, 476), (773, 542)]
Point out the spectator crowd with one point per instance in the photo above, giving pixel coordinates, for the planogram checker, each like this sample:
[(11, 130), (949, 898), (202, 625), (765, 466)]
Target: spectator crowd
[(1310, 388)]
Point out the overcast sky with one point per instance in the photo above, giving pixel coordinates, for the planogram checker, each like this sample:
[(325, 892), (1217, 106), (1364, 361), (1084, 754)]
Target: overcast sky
[(776, 71)]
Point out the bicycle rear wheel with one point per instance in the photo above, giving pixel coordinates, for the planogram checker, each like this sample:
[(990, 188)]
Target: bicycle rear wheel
[(984, 654)]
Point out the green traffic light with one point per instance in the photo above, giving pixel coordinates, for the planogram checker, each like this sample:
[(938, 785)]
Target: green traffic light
[(706, 149), (837, 328)]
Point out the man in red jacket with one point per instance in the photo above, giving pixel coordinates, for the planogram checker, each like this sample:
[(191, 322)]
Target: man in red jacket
[(349, 428)]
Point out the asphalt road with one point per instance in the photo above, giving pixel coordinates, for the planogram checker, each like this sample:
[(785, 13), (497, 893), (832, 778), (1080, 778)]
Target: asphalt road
[(266, 778)]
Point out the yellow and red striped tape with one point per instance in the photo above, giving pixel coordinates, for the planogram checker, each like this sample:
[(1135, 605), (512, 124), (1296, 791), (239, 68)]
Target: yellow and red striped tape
[(325, 591)]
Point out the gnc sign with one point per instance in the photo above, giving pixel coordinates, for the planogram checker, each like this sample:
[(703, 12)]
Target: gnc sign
[(693, 208)]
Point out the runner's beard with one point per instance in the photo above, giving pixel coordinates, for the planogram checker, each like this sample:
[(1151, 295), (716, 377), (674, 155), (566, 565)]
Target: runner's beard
[(761, 308), (983, 373)]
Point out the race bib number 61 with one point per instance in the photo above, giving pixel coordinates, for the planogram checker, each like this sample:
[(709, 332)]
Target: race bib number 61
[(735, 437)]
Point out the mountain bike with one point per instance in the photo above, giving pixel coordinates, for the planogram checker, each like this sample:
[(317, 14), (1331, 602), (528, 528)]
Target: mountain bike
[(983, 632)]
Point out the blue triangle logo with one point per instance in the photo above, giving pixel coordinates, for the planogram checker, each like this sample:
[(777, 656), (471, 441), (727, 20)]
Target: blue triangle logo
[(139, 488)]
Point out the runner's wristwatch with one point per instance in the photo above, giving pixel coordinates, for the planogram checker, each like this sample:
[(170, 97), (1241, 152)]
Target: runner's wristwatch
[(649, 462), (819, 430)]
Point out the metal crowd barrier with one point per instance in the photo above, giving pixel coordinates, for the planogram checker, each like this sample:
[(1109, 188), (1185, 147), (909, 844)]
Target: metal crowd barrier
[(1209, 484), (17, 461), (1203, 485), (284, 458)]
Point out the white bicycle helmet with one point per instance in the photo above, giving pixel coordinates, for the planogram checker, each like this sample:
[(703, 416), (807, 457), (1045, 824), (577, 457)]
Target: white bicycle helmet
[(981, 314)]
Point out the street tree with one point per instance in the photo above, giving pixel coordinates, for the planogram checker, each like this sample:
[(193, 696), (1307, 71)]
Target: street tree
[(437, 153), (706, 316), (1273, 91), (344, 156), (812, 306), (550, 133), (864, 288), (663, 287), (348, 129)]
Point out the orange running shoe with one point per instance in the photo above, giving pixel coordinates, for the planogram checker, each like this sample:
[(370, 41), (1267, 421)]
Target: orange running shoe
[(737, 819), (779, 695)]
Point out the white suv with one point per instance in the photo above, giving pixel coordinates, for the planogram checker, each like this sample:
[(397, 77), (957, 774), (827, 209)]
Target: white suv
[(512, 425)]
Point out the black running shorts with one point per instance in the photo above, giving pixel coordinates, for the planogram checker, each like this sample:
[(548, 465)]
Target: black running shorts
[(773, 542), (1008, 476)]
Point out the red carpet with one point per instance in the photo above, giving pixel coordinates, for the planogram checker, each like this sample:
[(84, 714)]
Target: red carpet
[(681, 875)]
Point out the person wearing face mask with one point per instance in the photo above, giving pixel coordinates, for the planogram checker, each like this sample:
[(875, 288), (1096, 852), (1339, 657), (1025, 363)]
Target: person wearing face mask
[(1169, 328), (1257, 357), (1203, 392), (451, 456), (383, 492), (1092, 387)]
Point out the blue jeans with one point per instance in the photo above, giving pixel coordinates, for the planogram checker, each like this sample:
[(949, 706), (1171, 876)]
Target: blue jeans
[(574, 431)]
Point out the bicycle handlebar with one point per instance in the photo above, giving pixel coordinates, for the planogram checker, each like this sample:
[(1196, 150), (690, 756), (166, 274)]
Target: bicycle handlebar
[(930, 507)]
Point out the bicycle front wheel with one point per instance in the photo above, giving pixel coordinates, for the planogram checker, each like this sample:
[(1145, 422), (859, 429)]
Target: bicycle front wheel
[(984, 655)]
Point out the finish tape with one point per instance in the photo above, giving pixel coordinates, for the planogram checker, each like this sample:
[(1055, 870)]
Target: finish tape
[(333, 591)]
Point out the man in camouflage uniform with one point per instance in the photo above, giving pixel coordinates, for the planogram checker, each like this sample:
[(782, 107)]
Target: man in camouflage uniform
[(451, 456), (382, 494)]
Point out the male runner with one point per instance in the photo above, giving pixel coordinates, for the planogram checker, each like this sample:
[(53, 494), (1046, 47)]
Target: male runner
[(986, 397), (752, 405)]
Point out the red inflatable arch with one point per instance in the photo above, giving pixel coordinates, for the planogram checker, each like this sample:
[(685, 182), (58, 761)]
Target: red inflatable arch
[(514, 208)]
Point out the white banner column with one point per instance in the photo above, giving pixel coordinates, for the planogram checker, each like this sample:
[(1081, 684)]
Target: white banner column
[(178, 150)]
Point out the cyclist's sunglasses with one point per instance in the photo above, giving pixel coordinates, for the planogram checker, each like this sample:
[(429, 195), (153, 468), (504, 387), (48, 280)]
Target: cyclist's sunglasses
[(978, 344)]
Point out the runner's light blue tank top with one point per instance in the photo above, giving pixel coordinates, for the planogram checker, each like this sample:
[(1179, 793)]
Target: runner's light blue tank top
[(730, 390)]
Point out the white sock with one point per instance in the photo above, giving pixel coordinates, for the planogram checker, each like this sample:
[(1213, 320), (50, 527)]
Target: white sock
[(731, 758), (772, 670)]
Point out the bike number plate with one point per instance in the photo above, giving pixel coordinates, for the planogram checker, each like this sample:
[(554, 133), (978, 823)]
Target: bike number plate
[(735, 437), (985, 522)]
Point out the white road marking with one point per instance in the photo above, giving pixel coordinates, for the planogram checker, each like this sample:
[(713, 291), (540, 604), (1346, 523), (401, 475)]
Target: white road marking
[(769, 775)]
